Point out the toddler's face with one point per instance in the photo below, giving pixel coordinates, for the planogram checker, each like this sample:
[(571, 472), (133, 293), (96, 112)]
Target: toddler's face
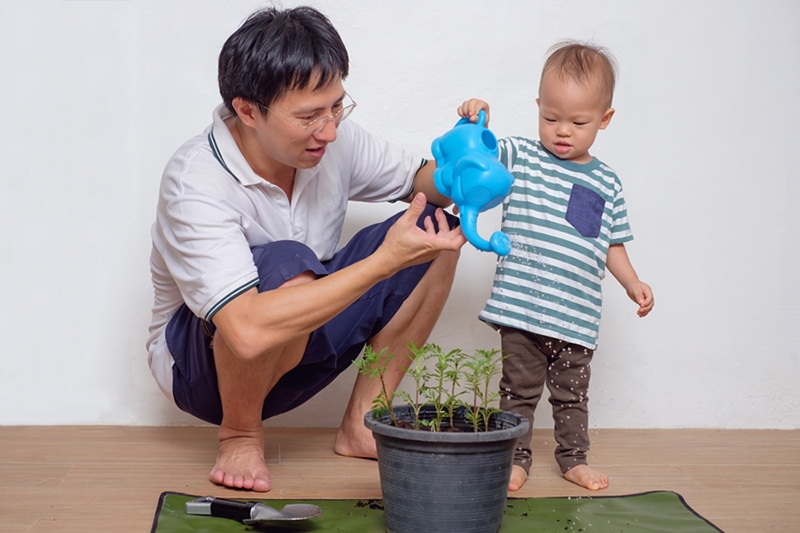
[(570, 115)]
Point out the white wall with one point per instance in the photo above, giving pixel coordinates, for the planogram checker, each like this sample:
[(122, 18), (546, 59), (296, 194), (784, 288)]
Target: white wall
[(96, 95)]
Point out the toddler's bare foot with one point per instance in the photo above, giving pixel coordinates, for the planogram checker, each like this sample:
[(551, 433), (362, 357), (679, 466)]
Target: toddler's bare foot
[(518, 478), (240, 461), (355, 440), (586, 477)]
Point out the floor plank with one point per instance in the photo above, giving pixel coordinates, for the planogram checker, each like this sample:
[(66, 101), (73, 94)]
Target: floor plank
[(78, 479)]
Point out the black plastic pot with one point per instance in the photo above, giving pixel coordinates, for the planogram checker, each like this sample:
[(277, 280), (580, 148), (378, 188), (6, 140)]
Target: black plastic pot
[(445, 482)]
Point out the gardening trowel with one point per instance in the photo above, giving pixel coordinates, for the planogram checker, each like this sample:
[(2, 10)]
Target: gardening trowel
[(251, 513)]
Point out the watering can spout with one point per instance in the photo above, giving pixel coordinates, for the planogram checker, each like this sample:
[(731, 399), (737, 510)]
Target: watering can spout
[(498, 243)]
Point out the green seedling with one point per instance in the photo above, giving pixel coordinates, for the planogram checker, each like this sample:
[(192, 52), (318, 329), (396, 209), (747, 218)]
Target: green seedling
[(418, 370), (480, 369), (442, 397), (437, 376), (374, 365)]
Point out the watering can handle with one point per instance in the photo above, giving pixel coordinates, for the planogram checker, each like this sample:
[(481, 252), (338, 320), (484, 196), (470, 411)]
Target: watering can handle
[(481, 119)]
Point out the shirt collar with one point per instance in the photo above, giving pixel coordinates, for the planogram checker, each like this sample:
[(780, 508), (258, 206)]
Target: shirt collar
[(226, 151)]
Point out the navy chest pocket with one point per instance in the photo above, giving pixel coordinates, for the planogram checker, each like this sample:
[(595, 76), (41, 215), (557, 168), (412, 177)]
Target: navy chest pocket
[(585, 211)]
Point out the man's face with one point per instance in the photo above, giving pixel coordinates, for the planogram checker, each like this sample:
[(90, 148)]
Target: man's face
[(281, 137), (570, 115)]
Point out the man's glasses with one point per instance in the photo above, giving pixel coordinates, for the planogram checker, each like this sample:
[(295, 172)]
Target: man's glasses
[(341, 111)]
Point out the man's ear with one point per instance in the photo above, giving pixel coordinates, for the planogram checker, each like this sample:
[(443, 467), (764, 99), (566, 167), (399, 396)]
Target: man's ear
[(606, 120), (246, 111)]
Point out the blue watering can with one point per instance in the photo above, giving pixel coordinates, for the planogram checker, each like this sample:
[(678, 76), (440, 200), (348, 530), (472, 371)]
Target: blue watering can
[(469, 173)]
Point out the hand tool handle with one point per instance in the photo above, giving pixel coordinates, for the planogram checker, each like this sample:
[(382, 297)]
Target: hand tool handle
[(232, 509)]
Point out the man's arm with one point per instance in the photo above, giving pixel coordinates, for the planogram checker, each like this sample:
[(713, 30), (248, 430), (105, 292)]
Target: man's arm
[(423, 183), (255, 323), (620, 267)]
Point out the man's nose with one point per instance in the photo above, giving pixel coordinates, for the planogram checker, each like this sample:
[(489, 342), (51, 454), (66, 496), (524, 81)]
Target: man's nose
[(328, 132)]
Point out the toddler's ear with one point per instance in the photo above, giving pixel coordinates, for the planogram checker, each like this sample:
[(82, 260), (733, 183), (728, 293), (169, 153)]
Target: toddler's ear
[(606, 120)]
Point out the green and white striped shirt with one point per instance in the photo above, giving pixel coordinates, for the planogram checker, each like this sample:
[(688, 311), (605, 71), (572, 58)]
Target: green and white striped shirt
[(561, 218)]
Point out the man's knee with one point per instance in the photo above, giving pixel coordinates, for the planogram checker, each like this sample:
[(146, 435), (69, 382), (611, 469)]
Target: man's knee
[(283, 262), (303, 277), (430, 211)]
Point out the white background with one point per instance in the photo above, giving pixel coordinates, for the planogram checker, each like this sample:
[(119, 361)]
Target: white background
[(96, 95)]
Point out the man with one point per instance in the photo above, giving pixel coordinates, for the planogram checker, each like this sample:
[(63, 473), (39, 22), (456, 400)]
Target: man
[(255, 308)]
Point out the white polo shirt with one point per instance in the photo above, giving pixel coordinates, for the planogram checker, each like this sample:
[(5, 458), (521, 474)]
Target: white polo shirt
[(212, 209)]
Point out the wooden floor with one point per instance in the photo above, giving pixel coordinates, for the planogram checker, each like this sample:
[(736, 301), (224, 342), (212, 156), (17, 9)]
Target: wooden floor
[(87, 479)]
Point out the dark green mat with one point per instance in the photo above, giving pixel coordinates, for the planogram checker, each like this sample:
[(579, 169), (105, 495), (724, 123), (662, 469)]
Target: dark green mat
[(650, 512)]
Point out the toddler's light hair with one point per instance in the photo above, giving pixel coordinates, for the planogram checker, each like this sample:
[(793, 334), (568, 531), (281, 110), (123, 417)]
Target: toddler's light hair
[(582, 63)]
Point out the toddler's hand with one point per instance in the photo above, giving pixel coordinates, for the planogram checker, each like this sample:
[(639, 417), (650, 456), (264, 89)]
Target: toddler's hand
[(641, 293), (469, 109)]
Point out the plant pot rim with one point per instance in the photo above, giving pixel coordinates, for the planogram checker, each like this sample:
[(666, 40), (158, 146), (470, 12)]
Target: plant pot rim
[(512, 427)]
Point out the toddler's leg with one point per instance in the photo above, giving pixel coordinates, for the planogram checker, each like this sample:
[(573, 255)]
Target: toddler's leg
[(521, 387), (568, 382)]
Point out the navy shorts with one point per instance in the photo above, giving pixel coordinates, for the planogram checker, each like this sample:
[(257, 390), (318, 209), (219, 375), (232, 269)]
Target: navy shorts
[(331, 349)]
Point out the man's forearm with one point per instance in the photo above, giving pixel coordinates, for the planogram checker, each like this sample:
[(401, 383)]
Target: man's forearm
[(257, 322)]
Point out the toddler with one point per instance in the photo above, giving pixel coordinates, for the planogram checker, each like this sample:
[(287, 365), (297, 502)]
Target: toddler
[(567, 220)]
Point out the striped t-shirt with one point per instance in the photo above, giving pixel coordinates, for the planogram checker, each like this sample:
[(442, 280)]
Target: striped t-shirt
[(561, 218)]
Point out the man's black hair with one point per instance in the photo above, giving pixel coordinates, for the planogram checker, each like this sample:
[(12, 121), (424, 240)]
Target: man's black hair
[(278, 50)]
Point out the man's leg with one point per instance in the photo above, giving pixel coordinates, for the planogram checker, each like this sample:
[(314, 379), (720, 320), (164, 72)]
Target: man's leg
[(217, 387), (243, 386), (413, 322)]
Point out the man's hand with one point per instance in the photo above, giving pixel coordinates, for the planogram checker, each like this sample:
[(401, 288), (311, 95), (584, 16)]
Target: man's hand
[(407, 245)]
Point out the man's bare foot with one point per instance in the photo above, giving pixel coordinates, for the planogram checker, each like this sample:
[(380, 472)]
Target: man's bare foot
[(240, 461), (354, 441), (518, 478), (586, 477)]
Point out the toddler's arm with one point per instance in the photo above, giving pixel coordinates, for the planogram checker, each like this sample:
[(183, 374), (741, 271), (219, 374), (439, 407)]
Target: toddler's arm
[(620, 267), (469, 109)]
